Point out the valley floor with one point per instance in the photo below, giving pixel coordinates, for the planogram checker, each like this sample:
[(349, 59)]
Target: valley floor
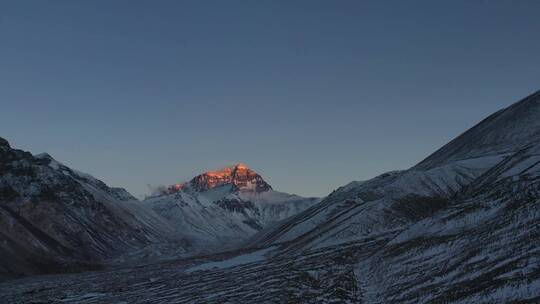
[(324, 276)]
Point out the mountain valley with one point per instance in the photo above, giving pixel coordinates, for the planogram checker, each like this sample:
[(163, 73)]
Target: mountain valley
[(461, 226)]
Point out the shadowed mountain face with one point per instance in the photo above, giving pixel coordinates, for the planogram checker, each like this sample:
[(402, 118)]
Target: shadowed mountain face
[(56, 219)]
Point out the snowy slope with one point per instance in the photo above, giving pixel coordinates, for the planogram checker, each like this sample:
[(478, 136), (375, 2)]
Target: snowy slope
[(505, 131), (483, 248), (375, 206), (462, 226), (383, 203)]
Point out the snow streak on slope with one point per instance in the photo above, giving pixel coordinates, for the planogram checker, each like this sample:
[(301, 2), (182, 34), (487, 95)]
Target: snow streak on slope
[(248, 258)]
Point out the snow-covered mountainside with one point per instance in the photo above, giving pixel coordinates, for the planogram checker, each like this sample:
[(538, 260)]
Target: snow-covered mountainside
[(482, 247), (219, 209), (55, 219), (462, 226), (382, 204)]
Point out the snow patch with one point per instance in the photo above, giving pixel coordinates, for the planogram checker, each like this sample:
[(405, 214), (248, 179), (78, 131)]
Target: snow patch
[(252, 257)]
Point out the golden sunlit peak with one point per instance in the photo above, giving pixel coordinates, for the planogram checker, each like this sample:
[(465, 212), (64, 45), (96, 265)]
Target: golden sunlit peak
[(227, 171), (239, 176), (241, 166)]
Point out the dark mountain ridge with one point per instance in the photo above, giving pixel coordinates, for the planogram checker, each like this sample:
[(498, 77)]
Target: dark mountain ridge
[(505, 131), (52, 215)]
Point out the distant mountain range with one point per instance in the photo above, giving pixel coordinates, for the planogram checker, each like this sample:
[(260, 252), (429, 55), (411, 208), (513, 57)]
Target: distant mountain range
[(462, 226), (56, 219)]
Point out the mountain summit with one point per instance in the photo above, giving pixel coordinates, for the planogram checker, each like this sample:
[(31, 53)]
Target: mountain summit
[(222, 208), (240, 177)]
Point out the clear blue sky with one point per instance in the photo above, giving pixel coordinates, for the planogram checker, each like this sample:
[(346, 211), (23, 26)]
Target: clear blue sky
[(312, 94)]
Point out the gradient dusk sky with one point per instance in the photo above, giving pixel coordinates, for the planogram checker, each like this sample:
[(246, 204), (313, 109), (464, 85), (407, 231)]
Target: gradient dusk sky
[(311, 94)]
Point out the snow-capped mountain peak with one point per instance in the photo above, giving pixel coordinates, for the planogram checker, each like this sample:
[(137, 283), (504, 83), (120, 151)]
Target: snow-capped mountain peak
[(224, 207)]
